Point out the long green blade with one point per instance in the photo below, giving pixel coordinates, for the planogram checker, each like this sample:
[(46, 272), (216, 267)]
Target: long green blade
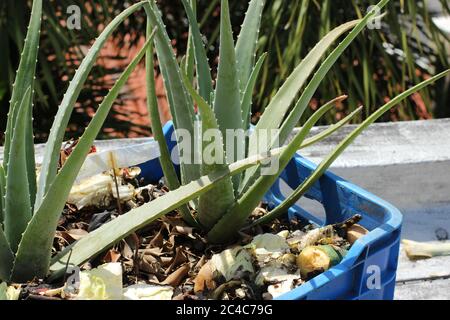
[(17, 200), (51, 154), (330, 130), (296, 113), (180, 104), (152, 105), (113, 231), (247, 42), (227, 103), (245, 205), (25, 80), (310, 141), (25, 74), (203, 69), (325, 164), (246, 102), (276, 111), (215, 203), (33, 256)]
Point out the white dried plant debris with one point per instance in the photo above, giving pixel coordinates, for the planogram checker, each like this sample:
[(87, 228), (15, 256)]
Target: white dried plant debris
[(9, 292), (276, 290), (233, 263), (267, 247), (100, 190), (102, 283), (284, 234), (147, 292), (274, 273), (314, 236)]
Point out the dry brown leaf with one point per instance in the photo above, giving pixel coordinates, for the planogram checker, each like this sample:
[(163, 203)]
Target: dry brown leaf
[(158, 240), (112, 256), (205, 278), (77, 234), (177, 276), (180, 258)]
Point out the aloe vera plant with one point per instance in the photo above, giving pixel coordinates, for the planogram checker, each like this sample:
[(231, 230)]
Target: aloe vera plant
[(225, 193)]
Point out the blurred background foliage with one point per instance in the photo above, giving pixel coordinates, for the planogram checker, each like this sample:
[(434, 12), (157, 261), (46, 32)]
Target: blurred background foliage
[(380, 64)]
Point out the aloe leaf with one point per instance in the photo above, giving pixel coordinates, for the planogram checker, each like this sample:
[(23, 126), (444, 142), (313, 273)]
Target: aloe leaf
[(246, 103), (247, 42), (24, 80), (189, 68), (327, 162), (330, 130), (25, 74), (180, 103), (227, 104), (6, 257), (17, 199), (2, 192), (310, 141), (153, 110), (215, 203), (245, 205), (152, 105), (33, 255), (276, 117), (308, 93), (203, 69), (105, 236), (276, 111), (51, 154)]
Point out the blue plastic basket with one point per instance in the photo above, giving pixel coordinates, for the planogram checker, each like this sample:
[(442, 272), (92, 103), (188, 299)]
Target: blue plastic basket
[(368, 271)]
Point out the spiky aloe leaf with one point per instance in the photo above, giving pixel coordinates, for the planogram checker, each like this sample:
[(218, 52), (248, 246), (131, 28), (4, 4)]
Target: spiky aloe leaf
[(227, 103), (2, 193), (105, 236), (153, 110), (6, 257), (51, 154), (17, 200), (201, 59), (331, 59), (189, 68), (247, 42), (180, 104), (276, 111), (215, 203), (152, 105), (33, 255), (309, 63), (310, 141), (326, 163), (330, 130), (245, 205), (25, 80), (246, 102)]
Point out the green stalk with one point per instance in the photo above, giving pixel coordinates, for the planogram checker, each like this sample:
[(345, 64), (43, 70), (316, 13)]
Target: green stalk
[(152, 105)]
